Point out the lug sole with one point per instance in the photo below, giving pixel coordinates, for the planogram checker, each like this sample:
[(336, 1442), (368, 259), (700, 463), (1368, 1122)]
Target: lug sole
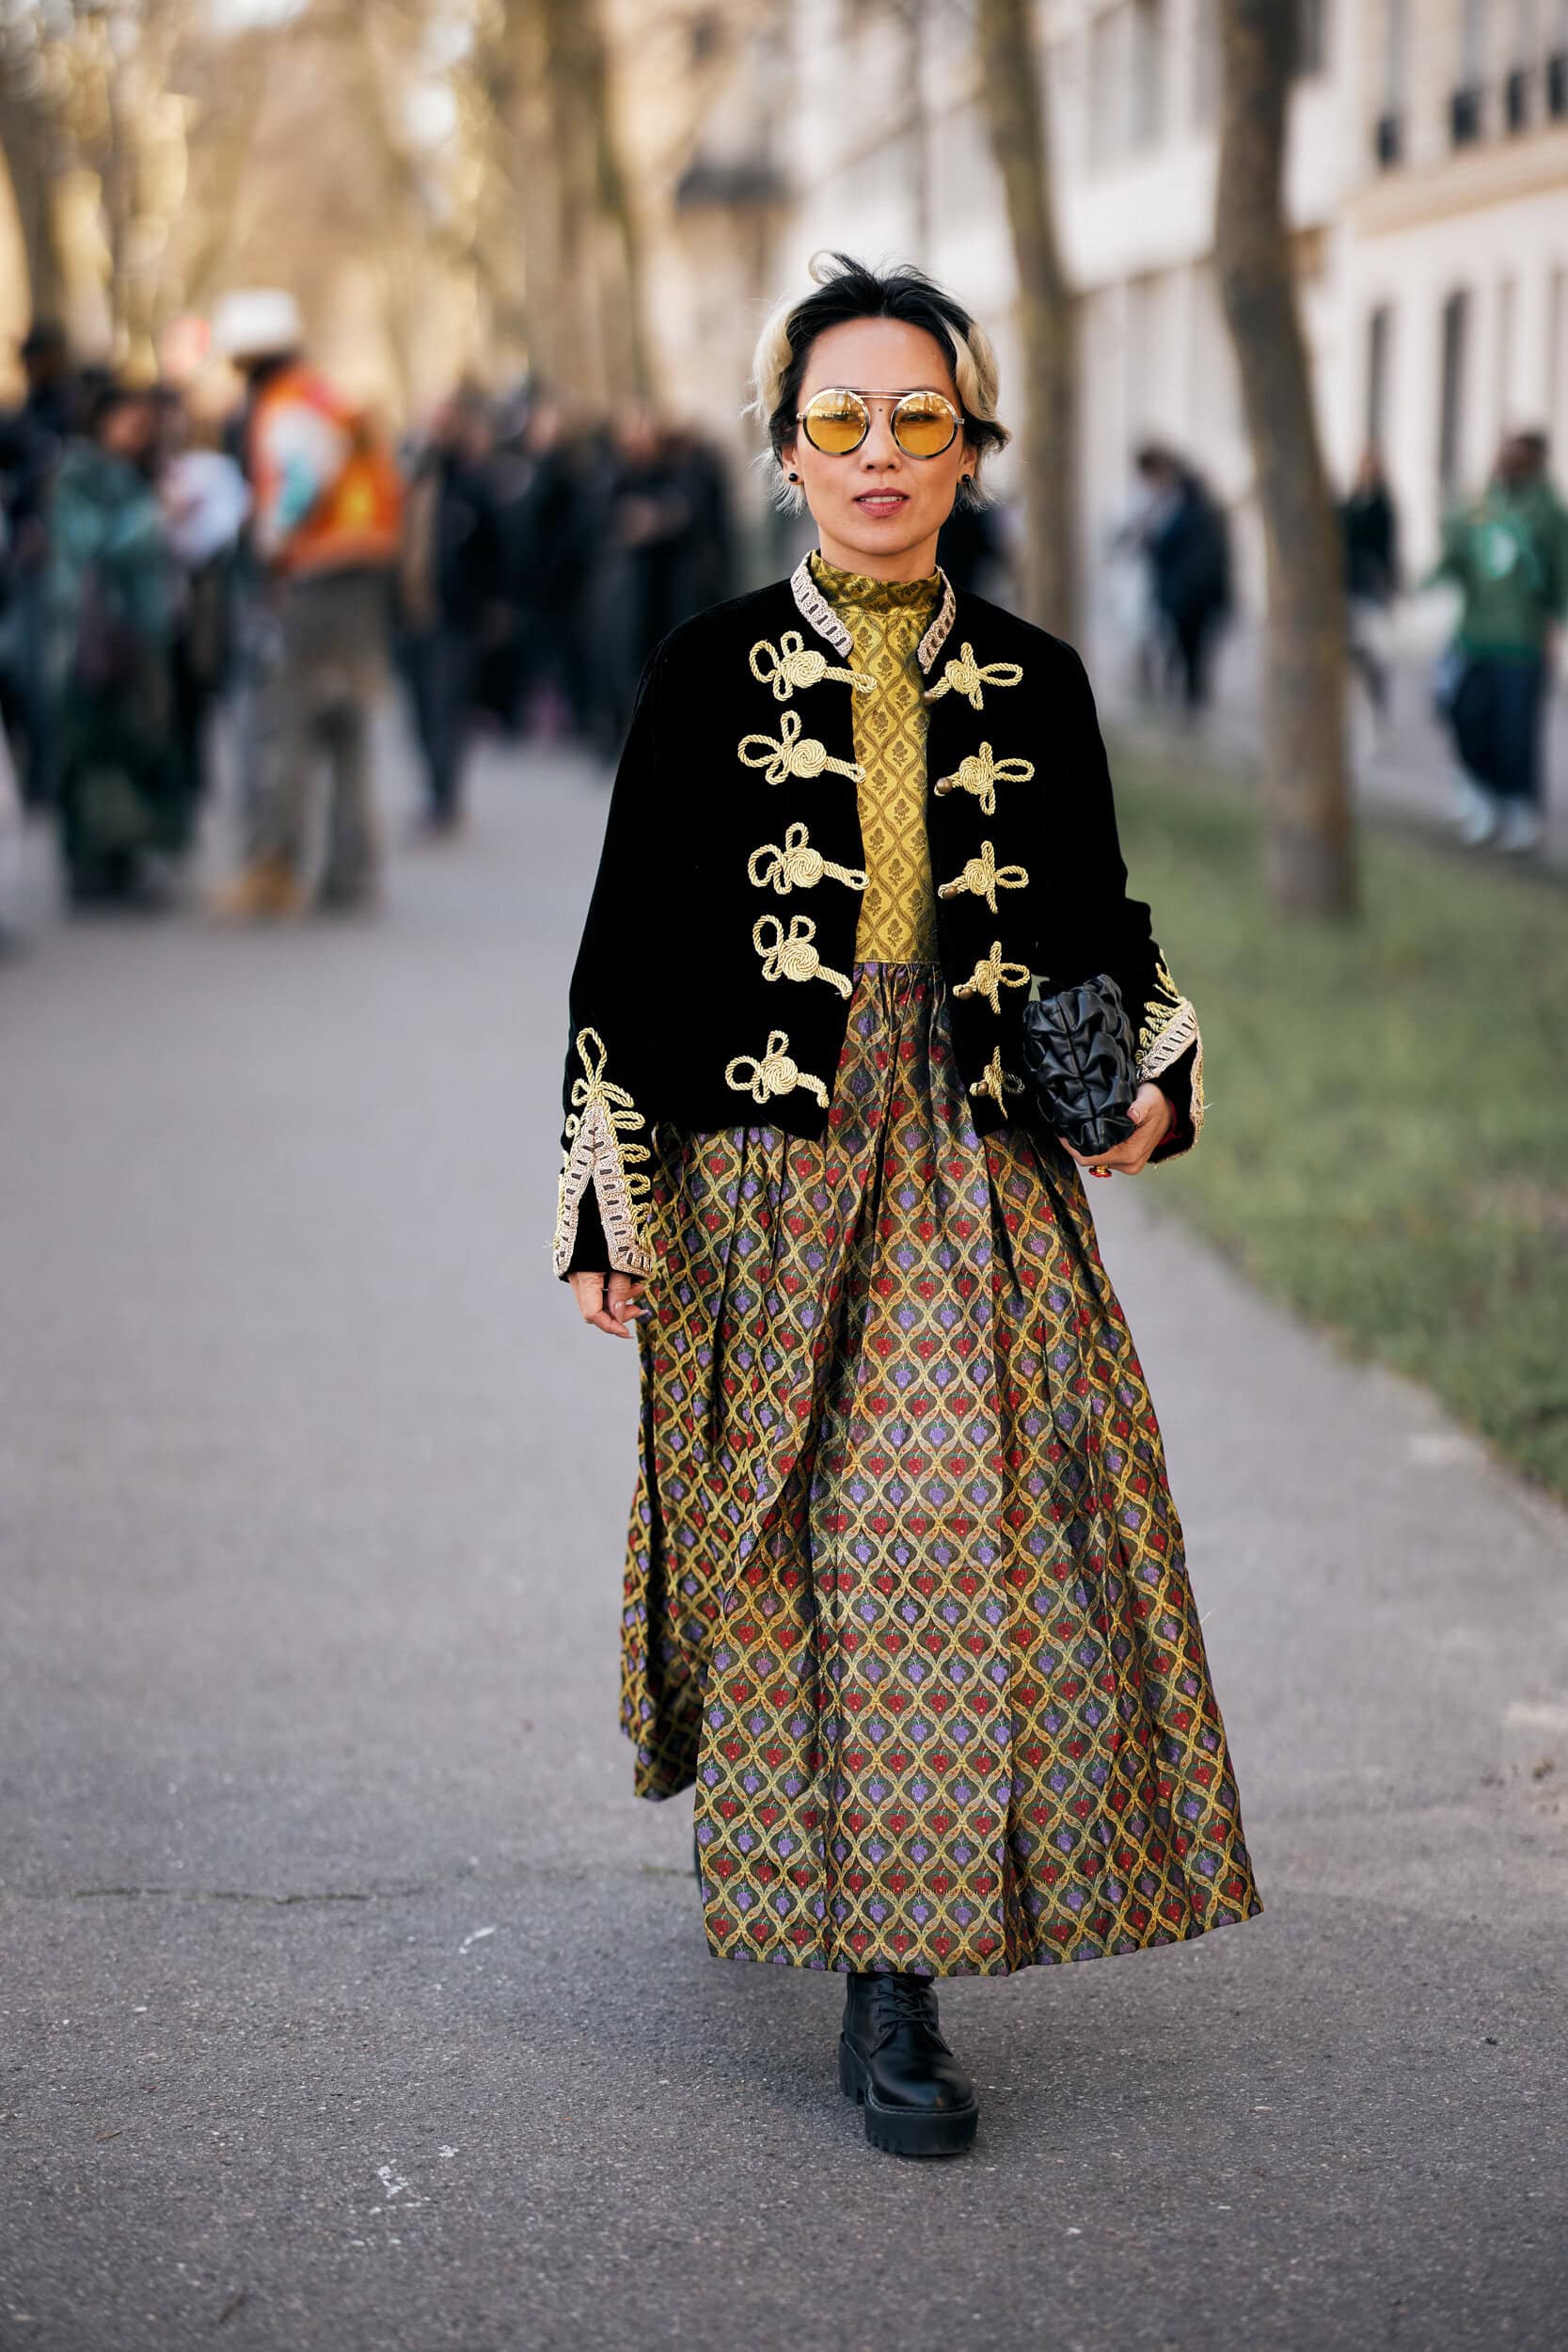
[(900, 2131)]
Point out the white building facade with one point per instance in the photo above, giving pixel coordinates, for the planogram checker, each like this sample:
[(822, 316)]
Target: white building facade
[(1427, 188)]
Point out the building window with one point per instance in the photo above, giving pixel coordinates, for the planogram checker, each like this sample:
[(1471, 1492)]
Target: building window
[(1312, 36), (1556, 62), (1146, 74), (1380, 360), (1388, 132), (1467, 101), (1453, 370), (1519, 82), (1207, 66), (1108, 85)]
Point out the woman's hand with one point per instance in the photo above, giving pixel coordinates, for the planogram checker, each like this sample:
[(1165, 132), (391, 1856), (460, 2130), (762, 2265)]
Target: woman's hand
[(610, 1302), (1153, 1120)]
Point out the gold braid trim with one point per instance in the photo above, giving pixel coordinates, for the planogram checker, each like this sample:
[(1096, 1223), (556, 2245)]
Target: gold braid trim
[(790, 956), (792, 753), (964, 676), (985, 877), (793, 665), (1169, 1027), (601, 1116), (772, 1073), (981, 772), (941, 629), (799, 867), (991, 976), (815, 610)]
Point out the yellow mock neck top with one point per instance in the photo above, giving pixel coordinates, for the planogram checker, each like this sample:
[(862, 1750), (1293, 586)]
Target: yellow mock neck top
[(886, 620)]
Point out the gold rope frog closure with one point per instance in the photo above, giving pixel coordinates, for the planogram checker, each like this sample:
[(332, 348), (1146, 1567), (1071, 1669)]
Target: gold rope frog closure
[(790, 955), (981, 772), (962, 675), (772, 1073), (792, 666), (991, 976), (985, 877), (997, 1082), (792, 753), (799, 867)]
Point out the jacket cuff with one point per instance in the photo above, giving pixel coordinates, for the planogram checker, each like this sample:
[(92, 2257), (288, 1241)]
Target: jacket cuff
[(601, 1173), (1183, 1087)]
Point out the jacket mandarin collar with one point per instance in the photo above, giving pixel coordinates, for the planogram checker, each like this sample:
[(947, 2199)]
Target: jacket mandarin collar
[(818, 615)]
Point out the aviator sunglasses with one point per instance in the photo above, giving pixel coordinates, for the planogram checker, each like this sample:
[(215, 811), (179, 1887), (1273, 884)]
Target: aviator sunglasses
[(837, 421)]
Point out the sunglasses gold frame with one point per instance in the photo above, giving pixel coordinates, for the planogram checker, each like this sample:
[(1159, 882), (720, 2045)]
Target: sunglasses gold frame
[(896, 401)]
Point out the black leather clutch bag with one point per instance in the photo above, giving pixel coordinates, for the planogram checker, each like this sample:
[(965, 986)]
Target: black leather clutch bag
[(1079, 1064)]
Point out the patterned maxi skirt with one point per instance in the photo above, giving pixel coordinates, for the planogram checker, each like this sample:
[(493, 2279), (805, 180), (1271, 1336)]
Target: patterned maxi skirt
[(906, 1597)]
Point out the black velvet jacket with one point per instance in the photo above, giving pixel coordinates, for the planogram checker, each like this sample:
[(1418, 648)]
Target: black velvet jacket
[(711, 985)]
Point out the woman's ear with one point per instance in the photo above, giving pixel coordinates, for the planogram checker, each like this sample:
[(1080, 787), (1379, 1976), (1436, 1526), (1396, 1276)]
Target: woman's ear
[(788, 467)]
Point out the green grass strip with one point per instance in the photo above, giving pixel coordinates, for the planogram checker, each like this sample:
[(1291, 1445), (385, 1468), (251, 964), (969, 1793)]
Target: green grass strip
[(1388, 1145)]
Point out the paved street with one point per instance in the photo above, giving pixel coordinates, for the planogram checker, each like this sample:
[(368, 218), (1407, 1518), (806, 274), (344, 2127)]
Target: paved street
[(348, 2002)]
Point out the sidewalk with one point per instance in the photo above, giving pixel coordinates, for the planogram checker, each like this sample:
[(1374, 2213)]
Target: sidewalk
[(353, 2005)]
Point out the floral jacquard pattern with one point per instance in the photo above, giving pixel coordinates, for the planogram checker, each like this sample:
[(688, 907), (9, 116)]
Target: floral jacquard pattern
[(885, 619)]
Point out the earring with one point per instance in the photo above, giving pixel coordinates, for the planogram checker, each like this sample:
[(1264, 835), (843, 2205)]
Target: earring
[(795, 477)]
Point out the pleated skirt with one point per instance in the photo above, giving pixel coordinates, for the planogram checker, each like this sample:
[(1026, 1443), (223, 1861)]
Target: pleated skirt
[(906, 1597)]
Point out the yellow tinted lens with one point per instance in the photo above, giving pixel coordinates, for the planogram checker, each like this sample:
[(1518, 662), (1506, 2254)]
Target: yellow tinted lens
[(836, 423), (924, 424)]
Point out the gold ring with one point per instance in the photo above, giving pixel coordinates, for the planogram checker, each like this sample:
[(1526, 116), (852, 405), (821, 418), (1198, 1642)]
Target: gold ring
[(1102, 1171)]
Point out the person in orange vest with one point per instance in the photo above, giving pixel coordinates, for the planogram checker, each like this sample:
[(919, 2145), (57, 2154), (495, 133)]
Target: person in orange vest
[(324, 532)]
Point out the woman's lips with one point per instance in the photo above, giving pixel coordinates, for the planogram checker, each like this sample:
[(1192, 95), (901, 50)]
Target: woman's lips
[(881, 502)]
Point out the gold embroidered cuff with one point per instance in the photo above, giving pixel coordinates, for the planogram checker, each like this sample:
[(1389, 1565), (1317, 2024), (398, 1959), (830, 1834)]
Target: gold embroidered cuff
[(1169, 1027), (601, 1117)]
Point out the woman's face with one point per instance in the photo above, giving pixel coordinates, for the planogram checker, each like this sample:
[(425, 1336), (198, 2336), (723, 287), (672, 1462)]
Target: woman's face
[(878, 511)]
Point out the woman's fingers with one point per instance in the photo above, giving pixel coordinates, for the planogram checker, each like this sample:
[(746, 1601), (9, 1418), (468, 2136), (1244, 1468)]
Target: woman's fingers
[(1152, 1117), (607, 1302)]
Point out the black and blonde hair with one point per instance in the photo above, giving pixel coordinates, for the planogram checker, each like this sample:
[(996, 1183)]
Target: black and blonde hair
[(845, 289)]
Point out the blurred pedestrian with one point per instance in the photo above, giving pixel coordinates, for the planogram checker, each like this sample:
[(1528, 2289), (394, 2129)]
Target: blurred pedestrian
[(324, 535), (1507, 552), (205, 502), (110, 608), (33, 437), (1187, 545), (552, 527), (448, 592), (667, 552), (1369, 531)]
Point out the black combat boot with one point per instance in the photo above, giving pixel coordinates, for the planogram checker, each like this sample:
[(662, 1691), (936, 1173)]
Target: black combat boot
[(892, 2057)]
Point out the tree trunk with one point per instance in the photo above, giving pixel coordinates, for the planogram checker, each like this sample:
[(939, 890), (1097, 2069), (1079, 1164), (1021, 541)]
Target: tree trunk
[(1309, 848), (28, 140), (1016, 115)]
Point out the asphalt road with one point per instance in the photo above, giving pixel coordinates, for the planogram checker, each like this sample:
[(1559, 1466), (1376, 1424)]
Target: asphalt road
[(348, 2003)]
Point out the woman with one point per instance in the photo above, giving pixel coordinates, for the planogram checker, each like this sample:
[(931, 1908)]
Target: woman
[(122, 794), (905, 1598)]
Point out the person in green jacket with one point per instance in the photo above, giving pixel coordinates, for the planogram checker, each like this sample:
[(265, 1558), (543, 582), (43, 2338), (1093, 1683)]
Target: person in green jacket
[(111, 612), (1508, 554)]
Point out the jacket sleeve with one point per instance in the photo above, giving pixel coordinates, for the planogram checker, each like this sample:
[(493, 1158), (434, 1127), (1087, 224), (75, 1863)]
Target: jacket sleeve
[(612, 1042), (1169, 1045)]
